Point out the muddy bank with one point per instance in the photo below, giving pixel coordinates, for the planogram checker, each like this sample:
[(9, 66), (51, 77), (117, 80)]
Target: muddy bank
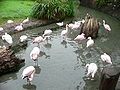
[(32, 23), (109, 7)]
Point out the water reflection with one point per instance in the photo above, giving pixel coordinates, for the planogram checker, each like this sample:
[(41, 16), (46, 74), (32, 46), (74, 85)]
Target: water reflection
[(48, 45), (42, 53), (7, 77), (38, 69), (64, 43), (29, 86)]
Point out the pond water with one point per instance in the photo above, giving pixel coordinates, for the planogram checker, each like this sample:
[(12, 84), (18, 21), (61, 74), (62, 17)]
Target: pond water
[(62, 63)]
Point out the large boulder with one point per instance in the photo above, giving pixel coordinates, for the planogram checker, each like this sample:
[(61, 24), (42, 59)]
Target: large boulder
[(8, 61), (90, 28)]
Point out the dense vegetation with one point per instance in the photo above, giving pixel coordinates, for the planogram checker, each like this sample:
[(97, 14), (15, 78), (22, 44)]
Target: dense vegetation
[(101, 3), (53, 9)]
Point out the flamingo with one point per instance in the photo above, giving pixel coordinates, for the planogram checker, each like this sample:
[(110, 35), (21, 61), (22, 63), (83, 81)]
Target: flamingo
[(19, 27), (1, 29), (76, 25), (35, 53), (28, 73), (80, 37), (47, 32), (60, 24), (39, 39), (91, 69), (26, 20), (8, 38), (106, 58), (106, 26), (10, 21), (90, 42), (23, 38), (64, 32)]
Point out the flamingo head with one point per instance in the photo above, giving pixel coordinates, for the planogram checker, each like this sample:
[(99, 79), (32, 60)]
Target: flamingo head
[(23, 77), (67, 25), (87, 65), (104, 53), (103, 21), (89, 38)]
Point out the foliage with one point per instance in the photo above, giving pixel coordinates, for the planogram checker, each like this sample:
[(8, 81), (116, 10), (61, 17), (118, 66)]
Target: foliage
[(53, 9), (101, 3)]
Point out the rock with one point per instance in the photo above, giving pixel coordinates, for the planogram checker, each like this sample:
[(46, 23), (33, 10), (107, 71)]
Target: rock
[(90, 27), (8, 61), (109, 78)]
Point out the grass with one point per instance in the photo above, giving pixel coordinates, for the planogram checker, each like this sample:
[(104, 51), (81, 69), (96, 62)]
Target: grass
[(15, 10)]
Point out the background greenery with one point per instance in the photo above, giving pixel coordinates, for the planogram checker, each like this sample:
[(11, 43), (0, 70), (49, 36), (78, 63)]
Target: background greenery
[(15, 9), (53, 9)]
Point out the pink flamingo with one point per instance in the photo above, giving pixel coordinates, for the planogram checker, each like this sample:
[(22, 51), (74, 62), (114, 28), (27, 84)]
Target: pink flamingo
[(47, 32), (28, 73), (64, 32), (80, 37), (35, 53)]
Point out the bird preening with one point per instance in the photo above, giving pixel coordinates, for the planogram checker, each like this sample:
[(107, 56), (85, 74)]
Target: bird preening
[(106, 58), (91, 70), (28, 73)]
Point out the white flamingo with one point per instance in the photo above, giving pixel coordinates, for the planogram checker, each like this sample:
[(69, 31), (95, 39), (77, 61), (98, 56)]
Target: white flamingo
[(90, 42), (19, 27), (106, 26), (80, 37), (60, 24), (10, 21), (35, 53), (23, 38), (1, 29), (7, 38), (28, 73), (26, 20), (47, 32), (64, 32), (106, 58), (91, 69)]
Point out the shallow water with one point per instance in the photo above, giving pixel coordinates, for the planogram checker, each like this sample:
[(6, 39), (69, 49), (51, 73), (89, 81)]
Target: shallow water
[(62, 63)]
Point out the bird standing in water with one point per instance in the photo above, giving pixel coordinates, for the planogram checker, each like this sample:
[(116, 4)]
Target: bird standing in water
[(28, 73), (91, 69), (64, 32), (34, 54), (90, 42), (106, 26), (80, 37), (106, 58)]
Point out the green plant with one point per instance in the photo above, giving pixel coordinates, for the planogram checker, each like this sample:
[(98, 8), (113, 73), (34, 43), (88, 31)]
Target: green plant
[(53, 9)]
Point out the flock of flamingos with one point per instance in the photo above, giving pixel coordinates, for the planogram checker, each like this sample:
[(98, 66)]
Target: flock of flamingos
[(29, 71)]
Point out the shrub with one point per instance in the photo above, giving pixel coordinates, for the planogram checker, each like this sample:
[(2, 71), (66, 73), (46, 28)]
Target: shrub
[(53, 9)]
